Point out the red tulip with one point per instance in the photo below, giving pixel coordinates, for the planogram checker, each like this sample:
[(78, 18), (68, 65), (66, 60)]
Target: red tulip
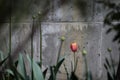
[(74, 46)]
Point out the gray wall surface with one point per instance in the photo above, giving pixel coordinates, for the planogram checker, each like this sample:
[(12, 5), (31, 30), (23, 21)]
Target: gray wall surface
[(77, 20)]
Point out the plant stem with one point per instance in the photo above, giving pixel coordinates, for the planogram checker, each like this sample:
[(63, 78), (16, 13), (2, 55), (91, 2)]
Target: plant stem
[(59, 52), (10, 39), (32, 51), (74, 61), (40, 46), (86, 66), (10, 29), (39, 18), (118, 71), (112, 64), (66, 72)]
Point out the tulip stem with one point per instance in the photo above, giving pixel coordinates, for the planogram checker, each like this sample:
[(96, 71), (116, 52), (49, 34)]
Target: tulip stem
[(74, 61), (10, 39), (59, 52), (32, 50), (39, 15), (40, 46), (86, 66), (112, 64)]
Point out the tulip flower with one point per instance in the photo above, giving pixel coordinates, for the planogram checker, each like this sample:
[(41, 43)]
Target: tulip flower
[(74, 47)]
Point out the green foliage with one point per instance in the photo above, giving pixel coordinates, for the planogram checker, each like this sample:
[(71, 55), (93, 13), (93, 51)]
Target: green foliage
[(17, 70), (38, 75), (111, 74), (21, 67), (72, 75), (55, 69), (88, 73)]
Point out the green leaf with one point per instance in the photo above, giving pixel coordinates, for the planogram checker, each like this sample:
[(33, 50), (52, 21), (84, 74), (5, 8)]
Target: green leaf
[(89, 76), (107, 62), (55, 69), (109, 76), (68, 76), (53, 75), (2, 62), (44, 72), (16, 63), (29, 59), (9, 72), (76, 64), (38, 75), (105, 66), (1, 55), (37, 72), (17, 75), (21, 67), (73, 76), (58, 65)]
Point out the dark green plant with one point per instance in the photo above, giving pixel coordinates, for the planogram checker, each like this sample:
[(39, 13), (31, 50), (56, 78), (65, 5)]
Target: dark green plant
[(17, 70), (109, 66), (72, 75), (88, 75), (54, 69), (112, 19)]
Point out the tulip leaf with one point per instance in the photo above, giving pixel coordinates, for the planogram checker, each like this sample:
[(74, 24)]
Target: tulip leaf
[(55, 69), (38, 75), (16, 63), (9, 71), (76, 64), (107, 62), (105, 66), (1, 63), (89, 76), (68, 76), (53, 75), (73, 76), (21, 67), (58, 65), (45, 72), (1, 55), (109, 76), (37, 72)]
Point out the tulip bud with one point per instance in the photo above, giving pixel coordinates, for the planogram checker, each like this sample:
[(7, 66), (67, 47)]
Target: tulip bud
[(39, 13), (74, 46), (33, 16), (109, 50), (84, 52), (62, 38)]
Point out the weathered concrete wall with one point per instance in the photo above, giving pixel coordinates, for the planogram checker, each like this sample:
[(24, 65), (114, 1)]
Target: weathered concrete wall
[(80, 21)]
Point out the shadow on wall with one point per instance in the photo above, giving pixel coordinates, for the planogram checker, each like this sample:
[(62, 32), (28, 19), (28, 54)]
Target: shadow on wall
[(15, 9), (82, 6), (112, 19)]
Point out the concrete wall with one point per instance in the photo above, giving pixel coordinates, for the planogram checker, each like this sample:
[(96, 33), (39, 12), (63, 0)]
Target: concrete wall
[(77, 20)]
